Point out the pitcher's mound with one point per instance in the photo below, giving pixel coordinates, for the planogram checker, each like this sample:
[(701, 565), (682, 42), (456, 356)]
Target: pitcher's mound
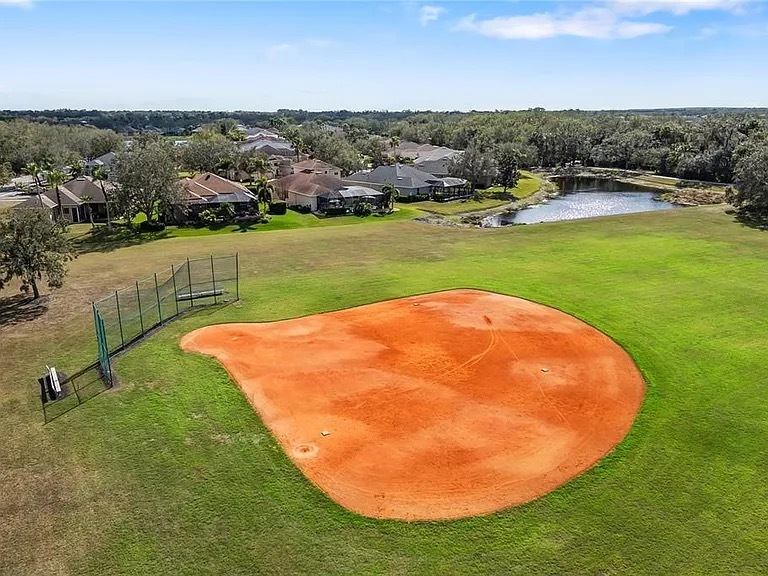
[(433, 407)]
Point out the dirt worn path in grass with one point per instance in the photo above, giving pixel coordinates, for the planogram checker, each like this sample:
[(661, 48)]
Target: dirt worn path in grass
[(439, 406)]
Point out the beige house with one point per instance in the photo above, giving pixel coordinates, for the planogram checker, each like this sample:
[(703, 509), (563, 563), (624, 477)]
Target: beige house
[(315, 166), (323, 192)]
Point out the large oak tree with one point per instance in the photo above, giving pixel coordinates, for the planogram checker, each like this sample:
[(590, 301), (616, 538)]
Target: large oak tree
[(33, 246), (147, 178)]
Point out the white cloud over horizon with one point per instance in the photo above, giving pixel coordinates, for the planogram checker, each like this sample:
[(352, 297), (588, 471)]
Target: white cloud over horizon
[(608, 20), (596, 23), (429, 14)]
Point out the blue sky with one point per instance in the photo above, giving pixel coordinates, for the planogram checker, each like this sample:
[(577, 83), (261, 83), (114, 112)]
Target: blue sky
[(383, 55)]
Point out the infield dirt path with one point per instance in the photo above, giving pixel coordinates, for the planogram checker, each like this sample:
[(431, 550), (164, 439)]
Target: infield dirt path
[(438, 406)]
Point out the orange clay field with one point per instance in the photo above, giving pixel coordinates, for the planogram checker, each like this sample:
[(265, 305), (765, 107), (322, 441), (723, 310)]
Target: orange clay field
[(438, 406)]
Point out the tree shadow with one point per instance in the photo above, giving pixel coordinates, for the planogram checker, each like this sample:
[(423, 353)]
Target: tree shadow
[(749, 219), (21, 308), (103, 240)]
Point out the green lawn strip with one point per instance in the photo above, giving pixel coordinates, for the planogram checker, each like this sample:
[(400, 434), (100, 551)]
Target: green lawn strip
[(292, 219), (460, 206), (190, 481), (526, 185), (85, 239)]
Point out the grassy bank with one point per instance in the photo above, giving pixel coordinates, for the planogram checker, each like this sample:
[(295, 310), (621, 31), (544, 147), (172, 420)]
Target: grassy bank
[(174, 473), (87, 240), (527, 185)]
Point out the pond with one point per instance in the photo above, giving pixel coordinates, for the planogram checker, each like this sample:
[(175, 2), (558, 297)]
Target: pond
[(584, 198)]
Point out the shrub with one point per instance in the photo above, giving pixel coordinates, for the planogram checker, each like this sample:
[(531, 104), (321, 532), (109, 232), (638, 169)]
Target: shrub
[(148, 226), (278, 207), (335, 211), (207, 216), (362, 209), (226, 211)]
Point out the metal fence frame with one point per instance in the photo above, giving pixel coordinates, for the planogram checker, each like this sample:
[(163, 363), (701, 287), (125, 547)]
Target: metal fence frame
[(129, 314)]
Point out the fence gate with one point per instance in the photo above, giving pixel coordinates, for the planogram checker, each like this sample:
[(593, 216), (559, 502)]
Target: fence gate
[(102, 346)]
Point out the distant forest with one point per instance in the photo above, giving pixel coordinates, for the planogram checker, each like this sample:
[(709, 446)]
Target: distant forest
[(691, 143)]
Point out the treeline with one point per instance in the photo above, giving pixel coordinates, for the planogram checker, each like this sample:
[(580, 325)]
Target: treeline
[(676, 143), (702, 148), (22, 142)]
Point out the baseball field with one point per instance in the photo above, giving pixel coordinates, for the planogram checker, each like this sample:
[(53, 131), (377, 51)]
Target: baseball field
[(195, 465)]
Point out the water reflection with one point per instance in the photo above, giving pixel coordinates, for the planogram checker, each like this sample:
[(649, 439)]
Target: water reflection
[(585, 199)]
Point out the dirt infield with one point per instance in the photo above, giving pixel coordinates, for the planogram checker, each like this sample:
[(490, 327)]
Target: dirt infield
[(439, 406)]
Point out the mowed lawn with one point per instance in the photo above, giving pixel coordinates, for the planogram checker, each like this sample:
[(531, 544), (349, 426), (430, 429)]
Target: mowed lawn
[(173, 473), (528, 184)]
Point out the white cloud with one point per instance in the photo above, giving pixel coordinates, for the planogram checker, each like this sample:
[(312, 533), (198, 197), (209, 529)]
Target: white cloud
[(322, 42), (24, 3), (707, 32), (429, 14), (278, 49), (677, 7), (609, 19), (595, 22)]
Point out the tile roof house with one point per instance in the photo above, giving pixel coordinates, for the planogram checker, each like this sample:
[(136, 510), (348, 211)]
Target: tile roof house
[(104, 161), (268, 147), (257, 133), (77, 197), (409, 181), (208, 188), (428, 158), (319, 192), (315, 166)]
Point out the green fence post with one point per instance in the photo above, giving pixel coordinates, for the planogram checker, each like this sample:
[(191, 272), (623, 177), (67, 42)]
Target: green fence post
[(189, 277), (213, 281), (138, 299), (237, 276), (175, 294), (157, 293), (119, 320)]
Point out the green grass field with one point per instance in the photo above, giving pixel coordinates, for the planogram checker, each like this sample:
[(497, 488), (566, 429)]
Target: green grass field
[(121, 236), (173, 473)]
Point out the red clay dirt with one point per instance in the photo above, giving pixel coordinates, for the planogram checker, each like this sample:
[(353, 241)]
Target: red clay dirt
[(439, 406)]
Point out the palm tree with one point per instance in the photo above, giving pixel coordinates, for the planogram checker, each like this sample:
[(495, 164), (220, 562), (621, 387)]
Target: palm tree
[(263, 190), (77, 169), (87, 199), (391, 194), (56, 178), (34, 170), (226, 166), (257, 165), (394, 141), (99, 175)]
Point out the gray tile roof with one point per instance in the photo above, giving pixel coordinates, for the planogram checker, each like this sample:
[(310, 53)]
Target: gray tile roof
[(400, 176)]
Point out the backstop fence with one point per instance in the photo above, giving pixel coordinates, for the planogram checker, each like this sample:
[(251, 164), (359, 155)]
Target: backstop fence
[(129, 314)]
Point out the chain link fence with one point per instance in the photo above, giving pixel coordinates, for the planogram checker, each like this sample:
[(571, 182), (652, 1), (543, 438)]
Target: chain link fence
[(130, 313), (127, 315)]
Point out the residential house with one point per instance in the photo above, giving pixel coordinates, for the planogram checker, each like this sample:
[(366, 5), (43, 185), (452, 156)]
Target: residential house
[(208, 190), (268, 147), (322, 192), (105, 161), (78, 197), (411, 183), (36, 202), (314, 166), (434, 160), (258, 133)]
